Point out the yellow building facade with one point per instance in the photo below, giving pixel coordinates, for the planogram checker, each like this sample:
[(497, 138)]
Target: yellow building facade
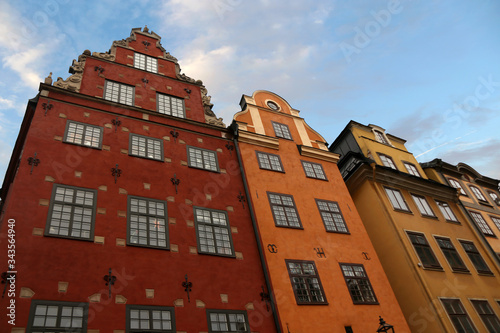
[(478, 195), (442, 273)]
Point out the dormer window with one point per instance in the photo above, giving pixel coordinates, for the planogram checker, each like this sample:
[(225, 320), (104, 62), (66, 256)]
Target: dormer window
[(477, 192), (454, 183), (494, 197), (380, 137), (145, 62)]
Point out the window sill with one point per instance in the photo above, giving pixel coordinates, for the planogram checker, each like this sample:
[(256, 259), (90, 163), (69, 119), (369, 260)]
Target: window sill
[(148, 158), (272, 170), (312, 303), (403, 211), (338, 232), (430, 217), (167, 248), (288, 227), (485, 273), (231, 256), (209, 170), (467, 272), (84, 146), (325, 180), (454, 222), (91, 239), (365, 303), (437, 269)]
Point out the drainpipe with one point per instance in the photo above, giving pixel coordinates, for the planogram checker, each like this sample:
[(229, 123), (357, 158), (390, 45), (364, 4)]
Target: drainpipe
[(234, 127)]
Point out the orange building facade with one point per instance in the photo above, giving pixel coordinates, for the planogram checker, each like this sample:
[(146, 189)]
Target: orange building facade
[(323, 270)]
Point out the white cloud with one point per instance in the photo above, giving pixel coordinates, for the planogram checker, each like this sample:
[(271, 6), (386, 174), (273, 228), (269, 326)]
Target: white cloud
[(6, 103), (5, 152)]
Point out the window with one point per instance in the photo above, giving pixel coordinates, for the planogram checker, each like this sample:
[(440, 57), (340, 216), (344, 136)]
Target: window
[(446, 211), (358, 284), (423, 250), (83, 134), (380, 137), (141, 318), (454, 183), (412, 169), (227, 321), (477, 192), (142, 146), (496, 220), (52, 316), (313, 170), (305, 282), (397, 200), (72, 212), (387, 161), (332, 217), (284, 211), (458, 315), (494, 197), (269, 161), (487, 315), (171, 106), (118, 92), (202, 158), (475, 257), (282, 131), (213, 232), (481, 223), (145, 62), (451, 254), (423, 206), (147, 222)]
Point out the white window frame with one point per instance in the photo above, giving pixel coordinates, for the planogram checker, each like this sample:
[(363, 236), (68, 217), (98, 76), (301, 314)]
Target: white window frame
[(387, 161), (72, 208), (148, 221), (146, 147), (282, 130), (456, 184), (68, 310), (423, 205), (477, 193), (397, 199), (125, 94), (145, 62), (268, 161), (213, 230), (314, 170), (146, 316), (412, 169), (82, 134), (231, 320), (170, 105), (481, 223), (446, 210), (202, 159)]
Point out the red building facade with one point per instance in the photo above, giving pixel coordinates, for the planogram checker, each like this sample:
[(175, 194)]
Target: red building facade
[(127, 205)]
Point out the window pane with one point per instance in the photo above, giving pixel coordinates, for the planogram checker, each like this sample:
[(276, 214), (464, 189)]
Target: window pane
[(213, 231), (305, 282), (201, 158)]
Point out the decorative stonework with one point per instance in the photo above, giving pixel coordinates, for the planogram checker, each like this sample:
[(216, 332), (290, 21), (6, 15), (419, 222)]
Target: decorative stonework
[(74, 82), (210, 117)]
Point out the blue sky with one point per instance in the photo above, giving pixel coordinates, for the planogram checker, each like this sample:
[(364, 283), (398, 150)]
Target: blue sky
[(426, 71)]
